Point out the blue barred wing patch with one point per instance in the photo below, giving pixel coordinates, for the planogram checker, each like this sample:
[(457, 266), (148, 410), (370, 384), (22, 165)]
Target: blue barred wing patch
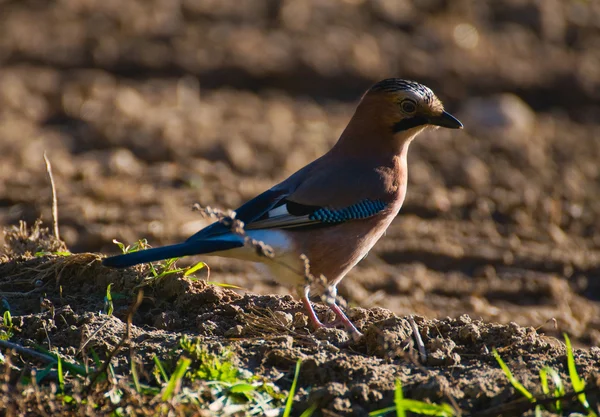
[(361, 210)]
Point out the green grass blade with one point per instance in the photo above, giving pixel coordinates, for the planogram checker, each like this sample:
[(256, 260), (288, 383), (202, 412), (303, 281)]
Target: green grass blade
[(161, 368), (309, 411), (544, 381), (242, 388), (223, 285), (168, 272), (71, 367), (402, 405), (96, 358), (39, 376), (134, 376), (8, 325), (398, 398), (382, 411), (120, 245), (182, 365), (290, 399), (559, 389), (516, 384), (61, 376), (576, 381), (194, 268), (7, 317), (426, 409), (111, 371), (108, 301)]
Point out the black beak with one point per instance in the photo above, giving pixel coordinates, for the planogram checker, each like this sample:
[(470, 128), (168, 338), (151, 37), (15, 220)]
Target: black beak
[(446, 120)]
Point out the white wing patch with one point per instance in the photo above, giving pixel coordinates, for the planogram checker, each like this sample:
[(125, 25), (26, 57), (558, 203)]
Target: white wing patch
[(280, 217), (279, 211)]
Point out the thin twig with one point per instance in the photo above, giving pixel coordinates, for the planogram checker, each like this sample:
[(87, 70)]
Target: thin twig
[(124, 339), (47, 335), (54, 198), (418, 339), (26, 351), (84, 344)]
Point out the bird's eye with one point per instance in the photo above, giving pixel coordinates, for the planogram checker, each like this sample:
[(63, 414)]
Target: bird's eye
[(408, 106)]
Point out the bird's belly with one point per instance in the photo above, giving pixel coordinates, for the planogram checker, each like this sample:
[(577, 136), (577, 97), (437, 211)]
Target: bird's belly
[(334, 251), (286, 270), (285, 266)]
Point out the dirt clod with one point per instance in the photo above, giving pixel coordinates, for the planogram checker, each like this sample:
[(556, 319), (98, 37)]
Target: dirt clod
[(146, 108)]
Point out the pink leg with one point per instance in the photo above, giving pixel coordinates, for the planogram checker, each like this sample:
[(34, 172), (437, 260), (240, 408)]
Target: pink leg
[(329, 299), (311, 312), (345, 321)]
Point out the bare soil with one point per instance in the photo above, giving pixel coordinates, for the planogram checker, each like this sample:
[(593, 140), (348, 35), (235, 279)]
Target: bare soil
[(147, 107)]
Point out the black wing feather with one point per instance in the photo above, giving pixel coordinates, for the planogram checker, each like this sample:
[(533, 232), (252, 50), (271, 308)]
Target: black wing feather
[(248, 212)]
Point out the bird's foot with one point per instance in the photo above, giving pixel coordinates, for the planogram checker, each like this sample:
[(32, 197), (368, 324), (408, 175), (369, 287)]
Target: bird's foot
[(340, 321), (350, 328), (341, 317), (333, 324), (344, 321)]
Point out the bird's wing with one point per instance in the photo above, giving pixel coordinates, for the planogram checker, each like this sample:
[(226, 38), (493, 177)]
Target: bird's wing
[(329, 192), (290, 214), (248, 213), (324, 193), (277, 210)]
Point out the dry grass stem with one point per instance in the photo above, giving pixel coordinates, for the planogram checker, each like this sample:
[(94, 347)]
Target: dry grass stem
[(54, 197)]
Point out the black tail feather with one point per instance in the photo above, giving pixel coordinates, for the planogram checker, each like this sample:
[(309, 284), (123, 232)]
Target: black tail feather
[(171, 251)]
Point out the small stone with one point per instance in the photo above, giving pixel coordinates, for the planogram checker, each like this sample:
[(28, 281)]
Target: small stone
[(439, 358), (360, 392), (167, 321), (285, 319), (240, 154), (504, 114), (441, 352), (284, 342), (388, 338), (470, 333), (207, 327), (516, 329), (331, 335), (123, 162), (235, 331), (440, 343), (300, 321)]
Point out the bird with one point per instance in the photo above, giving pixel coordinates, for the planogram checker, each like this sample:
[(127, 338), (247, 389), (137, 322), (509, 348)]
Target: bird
[(330, 213)]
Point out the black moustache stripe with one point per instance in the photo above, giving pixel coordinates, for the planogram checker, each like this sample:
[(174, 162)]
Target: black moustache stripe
[(409, 123)]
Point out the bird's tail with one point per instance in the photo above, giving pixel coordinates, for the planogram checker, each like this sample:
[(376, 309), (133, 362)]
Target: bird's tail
[(172, 251)]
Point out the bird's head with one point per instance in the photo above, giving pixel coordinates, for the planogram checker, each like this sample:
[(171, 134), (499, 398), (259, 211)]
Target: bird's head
[(390, 115), (407, 105)]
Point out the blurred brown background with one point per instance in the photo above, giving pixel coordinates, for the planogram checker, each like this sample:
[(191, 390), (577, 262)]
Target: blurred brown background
[(145, 107)]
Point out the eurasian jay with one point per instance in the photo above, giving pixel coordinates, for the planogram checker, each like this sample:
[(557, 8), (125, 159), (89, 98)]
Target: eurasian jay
[(334, 209)]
